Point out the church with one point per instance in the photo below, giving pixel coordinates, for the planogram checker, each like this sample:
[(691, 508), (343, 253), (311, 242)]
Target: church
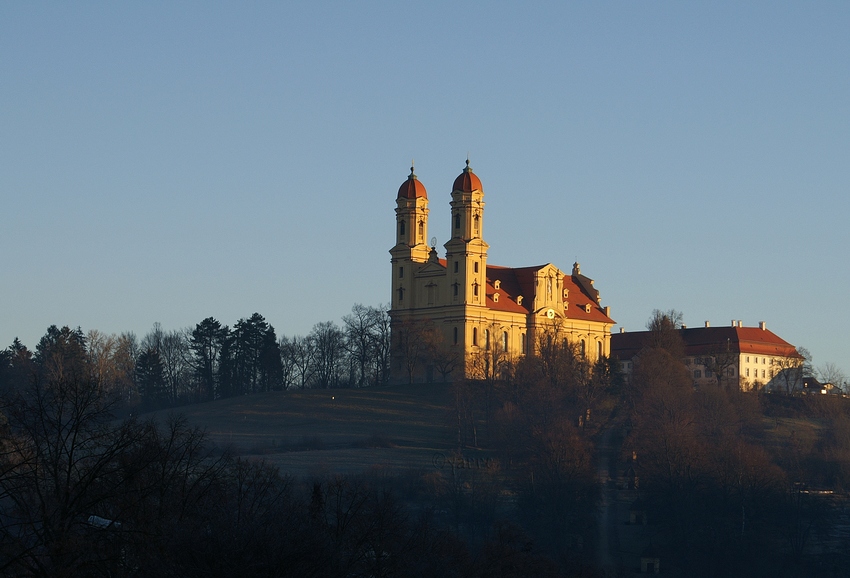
[(483, 315)]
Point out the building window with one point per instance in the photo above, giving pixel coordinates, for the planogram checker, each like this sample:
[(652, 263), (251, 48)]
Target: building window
[(697, 374), (456, 266), (474, 336), (524, 346), (457, 221), (504, 341), (432, 294), (583, 348), (475, 289), (762, 374), (401, 228), (708, 373), (475, 268), (599, 350), (421, 229), (748, 359), (455, 335), (476, 223), (486, 339), (400, 294), (455, 289), (748, 372), (401, 272)]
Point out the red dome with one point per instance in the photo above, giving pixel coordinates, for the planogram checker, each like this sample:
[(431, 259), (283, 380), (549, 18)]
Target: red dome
[(467, 181), (412, 188)]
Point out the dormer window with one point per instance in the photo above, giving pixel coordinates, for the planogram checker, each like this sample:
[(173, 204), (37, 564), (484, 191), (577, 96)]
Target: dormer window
[(587, 308), (519, 300), (497, 284), (495, 297), (566, 293)]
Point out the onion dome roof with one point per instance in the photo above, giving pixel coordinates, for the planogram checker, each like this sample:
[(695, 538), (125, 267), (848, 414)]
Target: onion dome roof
[(412, 188), (467, 181)]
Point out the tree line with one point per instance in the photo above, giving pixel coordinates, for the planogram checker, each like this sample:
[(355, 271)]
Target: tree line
[(212, 361)]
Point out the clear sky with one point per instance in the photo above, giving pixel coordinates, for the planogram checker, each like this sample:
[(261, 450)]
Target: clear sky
[(170, 161)]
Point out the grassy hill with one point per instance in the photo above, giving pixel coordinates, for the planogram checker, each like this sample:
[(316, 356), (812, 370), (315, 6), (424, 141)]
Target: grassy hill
[(312, 432)]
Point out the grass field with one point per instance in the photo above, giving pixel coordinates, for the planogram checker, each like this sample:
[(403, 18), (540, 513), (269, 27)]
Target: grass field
[(314, 432)]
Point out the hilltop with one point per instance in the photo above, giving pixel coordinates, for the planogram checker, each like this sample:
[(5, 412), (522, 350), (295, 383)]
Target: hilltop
[(310, 432)]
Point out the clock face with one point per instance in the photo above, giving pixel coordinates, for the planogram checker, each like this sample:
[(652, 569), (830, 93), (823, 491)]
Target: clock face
[(550, 314)]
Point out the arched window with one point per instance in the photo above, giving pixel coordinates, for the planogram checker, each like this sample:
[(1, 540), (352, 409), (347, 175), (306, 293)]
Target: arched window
[(421, 229), (476, 221), (475, 289), (401, 228), (599, 350), (583, 348), (457, 221), (400, 294), (504, 341)]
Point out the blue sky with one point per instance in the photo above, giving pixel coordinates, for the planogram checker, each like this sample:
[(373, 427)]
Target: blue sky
[(166, 162)]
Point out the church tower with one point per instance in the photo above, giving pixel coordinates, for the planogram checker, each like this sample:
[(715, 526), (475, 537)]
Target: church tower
[(466, 251), (410, 250)]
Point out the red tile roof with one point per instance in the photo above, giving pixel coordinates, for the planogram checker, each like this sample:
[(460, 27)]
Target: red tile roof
[(708, 340), (467, 181), (520, 281), (411, 188)]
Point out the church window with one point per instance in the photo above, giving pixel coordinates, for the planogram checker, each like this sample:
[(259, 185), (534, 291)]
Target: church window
[(432, 294), (455, 289), (475, 289), (475, 266), (421, 229), (583, 348), (476, 223), (599, 350), (456, 266), (487, 339), (474, 336), (524, 346), (401, 272), (455, 335), (401, 228), (504, 340), (457, 221), (400, 294)]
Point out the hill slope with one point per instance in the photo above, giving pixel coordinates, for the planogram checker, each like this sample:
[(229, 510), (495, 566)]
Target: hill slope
[(310, 432)]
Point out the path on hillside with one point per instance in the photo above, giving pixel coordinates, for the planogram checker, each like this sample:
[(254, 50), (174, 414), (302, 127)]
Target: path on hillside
[(608, 517)]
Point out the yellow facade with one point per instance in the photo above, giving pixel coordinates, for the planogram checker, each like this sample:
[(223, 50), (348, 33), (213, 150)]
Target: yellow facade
[(458, 316)]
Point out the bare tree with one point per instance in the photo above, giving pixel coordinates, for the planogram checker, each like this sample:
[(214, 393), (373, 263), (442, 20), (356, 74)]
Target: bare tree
[(831, 373), (329, 346), (790, 370), (360, 342)]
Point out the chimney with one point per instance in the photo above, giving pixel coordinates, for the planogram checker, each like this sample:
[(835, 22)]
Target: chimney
[(762, 325), (684, 326), (734, 323), (622, 329), (740, 323), (707, 324)]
